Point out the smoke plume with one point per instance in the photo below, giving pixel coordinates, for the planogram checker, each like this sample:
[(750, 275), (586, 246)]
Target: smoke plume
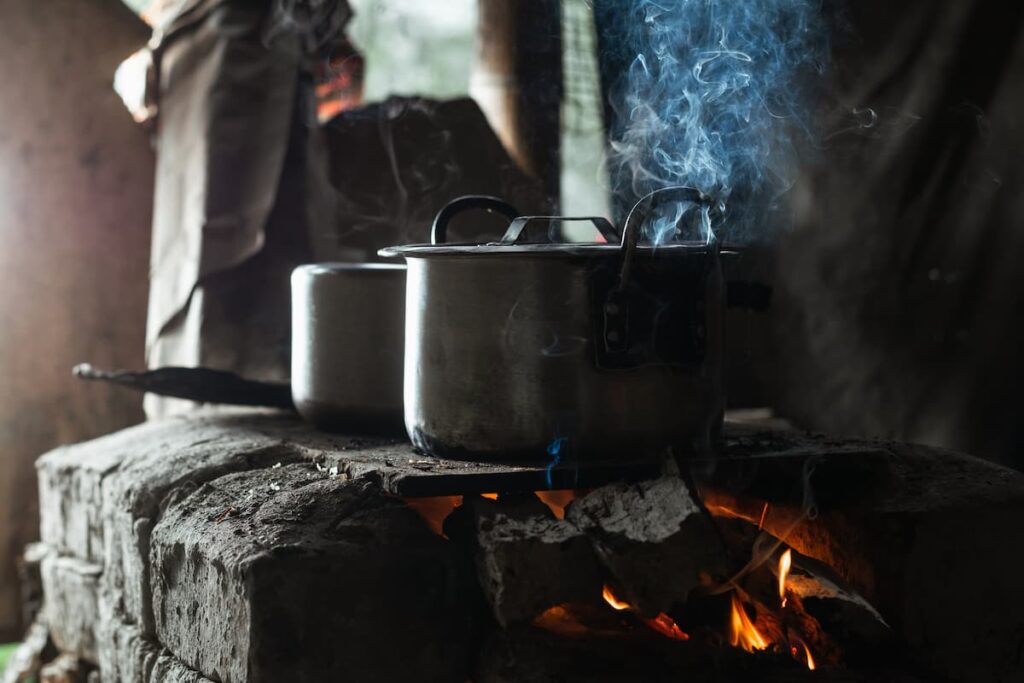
[(719, 96)]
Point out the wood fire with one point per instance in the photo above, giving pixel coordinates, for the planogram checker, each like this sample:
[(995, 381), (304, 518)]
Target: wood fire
[(662, 623)]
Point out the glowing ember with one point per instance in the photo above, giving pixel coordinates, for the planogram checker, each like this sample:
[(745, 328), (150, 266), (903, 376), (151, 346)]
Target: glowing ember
[(610, 598), (785, 562), (491, 496), (742, 632), (560, 620), (722, 505), (663, 623)]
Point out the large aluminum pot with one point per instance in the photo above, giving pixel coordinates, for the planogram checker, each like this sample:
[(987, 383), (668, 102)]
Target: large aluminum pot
[(348, 324), (561, 351)]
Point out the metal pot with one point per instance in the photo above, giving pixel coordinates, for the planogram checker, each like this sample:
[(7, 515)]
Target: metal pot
[(559, 351), (347, 345)]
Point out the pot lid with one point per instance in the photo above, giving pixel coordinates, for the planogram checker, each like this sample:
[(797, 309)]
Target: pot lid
[(547, 249), (516, 240), (331, 267)]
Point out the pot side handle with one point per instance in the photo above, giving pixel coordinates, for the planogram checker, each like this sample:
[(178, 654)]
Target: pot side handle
[(439, 230), (641, 210)]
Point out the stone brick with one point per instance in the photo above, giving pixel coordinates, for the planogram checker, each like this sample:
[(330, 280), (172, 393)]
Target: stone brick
[(174, 457), (129, 656), (70, 492), (299, 576), (71, 606)]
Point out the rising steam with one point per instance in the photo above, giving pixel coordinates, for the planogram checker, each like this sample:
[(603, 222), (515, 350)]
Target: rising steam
[(718, 96)]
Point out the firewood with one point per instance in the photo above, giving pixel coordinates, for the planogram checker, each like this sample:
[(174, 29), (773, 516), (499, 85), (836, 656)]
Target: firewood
[(650, 538)]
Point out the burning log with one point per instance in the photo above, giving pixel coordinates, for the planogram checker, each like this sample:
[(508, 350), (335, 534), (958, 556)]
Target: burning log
[(574, 645), (647, 532), (903, 525), (836, 605), (527, 560), (651, 538)]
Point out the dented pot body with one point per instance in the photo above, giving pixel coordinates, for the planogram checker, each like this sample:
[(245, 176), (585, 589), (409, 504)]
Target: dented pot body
[(532, 352)]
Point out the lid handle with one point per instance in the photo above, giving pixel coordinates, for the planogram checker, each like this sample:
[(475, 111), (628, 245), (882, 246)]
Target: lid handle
[(517, 230)]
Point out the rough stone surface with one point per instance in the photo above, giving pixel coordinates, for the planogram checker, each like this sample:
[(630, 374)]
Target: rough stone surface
[(102, 497), (30, 573), (911, 529), (27, 659), (71, 496), (168, 669), (301, 576), (175, 456), (66, 668), (71, 607), (128, 656)]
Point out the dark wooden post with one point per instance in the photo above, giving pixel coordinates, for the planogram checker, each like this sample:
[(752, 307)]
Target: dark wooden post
[(517, 79)]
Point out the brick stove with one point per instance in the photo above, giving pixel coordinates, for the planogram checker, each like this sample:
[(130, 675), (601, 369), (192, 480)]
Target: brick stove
[(247, 547)]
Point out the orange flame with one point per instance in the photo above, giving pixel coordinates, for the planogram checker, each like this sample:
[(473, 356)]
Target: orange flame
[(785, 562), (742, 632), (795, 651), (556, 500), (612, 600), (663, 623), (434, 510)]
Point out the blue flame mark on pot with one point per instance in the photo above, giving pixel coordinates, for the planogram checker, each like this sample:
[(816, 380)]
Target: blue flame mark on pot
[(555, 453), (719, 95)]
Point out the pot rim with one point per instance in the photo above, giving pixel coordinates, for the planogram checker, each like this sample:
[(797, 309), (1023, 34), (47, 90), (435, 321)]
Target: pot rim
[(546, 250), (332, 267)]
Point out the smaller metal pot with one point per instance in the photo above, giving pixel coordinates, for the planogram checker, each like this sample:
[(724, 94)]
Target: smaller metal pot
[(348, 341)]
